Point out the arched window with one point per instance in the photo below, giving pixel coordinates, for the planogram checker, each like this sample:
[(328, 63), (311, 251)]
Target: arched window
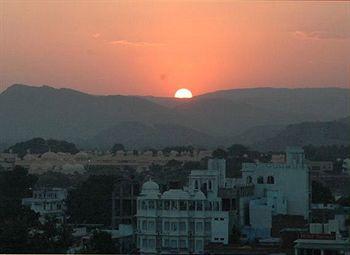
[(196, 186), (270, 180), (249, 179), (260, 180)]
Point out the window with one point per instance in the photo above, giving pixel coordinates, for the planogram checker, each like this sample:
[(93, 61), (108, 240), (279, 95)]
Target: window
[(209, 185), (249, 179), (144, 225), (216, 206), (173, 205), (191, 205), (182, 226), (159, 205), (173, 244), (207, 226), (151, 243), (182, 243), (151, 225), (208, 206), (196, 185), (166, 205), (144, 243), (183, 205), (166, 226), (199, 226), (199, 205), (174, 226), (166, 242), (260, 180), (151, 204), (144, 205), (199, 245), (270, 180)]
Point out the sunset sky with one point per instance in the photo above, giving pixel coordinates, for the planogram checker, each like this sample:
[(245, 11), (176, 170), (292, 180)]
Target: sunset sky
[(155, 47)]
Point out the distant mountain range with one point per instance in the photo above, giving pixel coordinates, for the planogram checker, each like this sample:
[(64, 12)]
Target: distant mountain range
[(258, 117)]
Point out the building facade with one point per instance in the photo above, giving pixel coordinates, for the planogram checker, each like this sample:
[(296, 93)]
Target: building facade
[(279, 189), (49, 203), (183, 221)]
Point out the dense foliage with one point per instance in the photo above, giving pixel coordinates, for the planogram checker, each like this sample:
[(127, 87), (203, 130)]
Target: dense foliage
[(53, 179), (117, 147), (327, 153), (100, 243), (321, 194), (40, 146), (91, 202), (20, 229)]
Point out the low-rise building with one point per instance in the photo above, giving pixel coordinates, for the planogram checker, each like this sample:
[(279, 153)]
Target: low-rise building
[(318, 168), (48, 202), (278, 189)]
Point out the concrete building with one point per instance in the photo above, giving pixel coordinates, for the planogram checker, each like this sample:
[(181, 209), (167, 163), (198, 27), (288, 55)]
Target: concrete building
[(7, 161), (124, 198), (321, 247), (318, 168), (278, 189), (49, 203), (183, 221), (178, 221), (289, 181), (322, 239)]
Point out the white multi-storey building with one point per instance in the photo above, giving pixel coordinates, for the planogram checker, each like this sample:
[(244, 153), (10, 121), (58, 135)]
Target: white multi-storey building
[(279, 188), (289, 182), (48, 203), (181, 221)]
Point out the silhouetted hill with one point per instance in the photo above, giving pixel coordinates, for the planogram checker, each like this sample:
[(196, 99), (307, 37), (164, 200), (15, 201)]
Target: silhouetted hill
[(308, 104), (65, 114), (315, 133), (28, 112), (136, 135)]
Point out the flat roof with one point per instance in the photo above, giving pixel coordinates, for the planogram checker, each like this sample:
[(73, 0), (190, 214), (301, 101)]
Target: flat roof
[(343, 245)]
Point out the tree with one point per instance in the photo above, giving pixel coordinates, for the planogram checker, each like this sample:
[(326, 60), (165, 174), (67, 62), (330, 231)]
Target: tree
[(16, 222), (237, 150), (15, 185), (235, 235), (101, 243), (117, 147), (91, 201), (219, 153), (39, 146), (321, 194)]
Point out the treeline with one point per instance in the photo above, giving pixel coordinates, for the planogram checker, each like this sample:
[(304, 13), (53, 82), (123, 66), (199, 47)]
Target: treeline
[(327, 153), (39, 146)]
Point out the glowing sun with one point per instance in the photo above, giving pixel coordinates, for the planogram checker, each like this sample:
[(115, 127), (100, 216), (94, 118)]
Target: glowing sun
[(183, 93)]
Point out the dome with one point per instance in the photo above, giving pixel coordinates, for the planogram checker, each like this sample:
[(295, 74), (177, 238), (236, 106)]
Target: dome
[(81, 155), (150, 187), (30, 157), (199, 195), (49, 155), (176, 194)]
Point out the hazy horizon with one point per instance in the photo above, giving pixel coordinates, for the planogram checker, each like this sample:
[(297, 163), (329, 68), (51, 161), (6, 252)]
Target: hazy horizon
[(154, 48), (170, 96)]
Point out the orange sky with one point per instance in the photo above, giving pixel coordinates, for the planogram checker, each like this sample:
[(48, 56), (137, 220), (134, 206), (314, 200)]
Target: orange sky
[(154, 47)]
